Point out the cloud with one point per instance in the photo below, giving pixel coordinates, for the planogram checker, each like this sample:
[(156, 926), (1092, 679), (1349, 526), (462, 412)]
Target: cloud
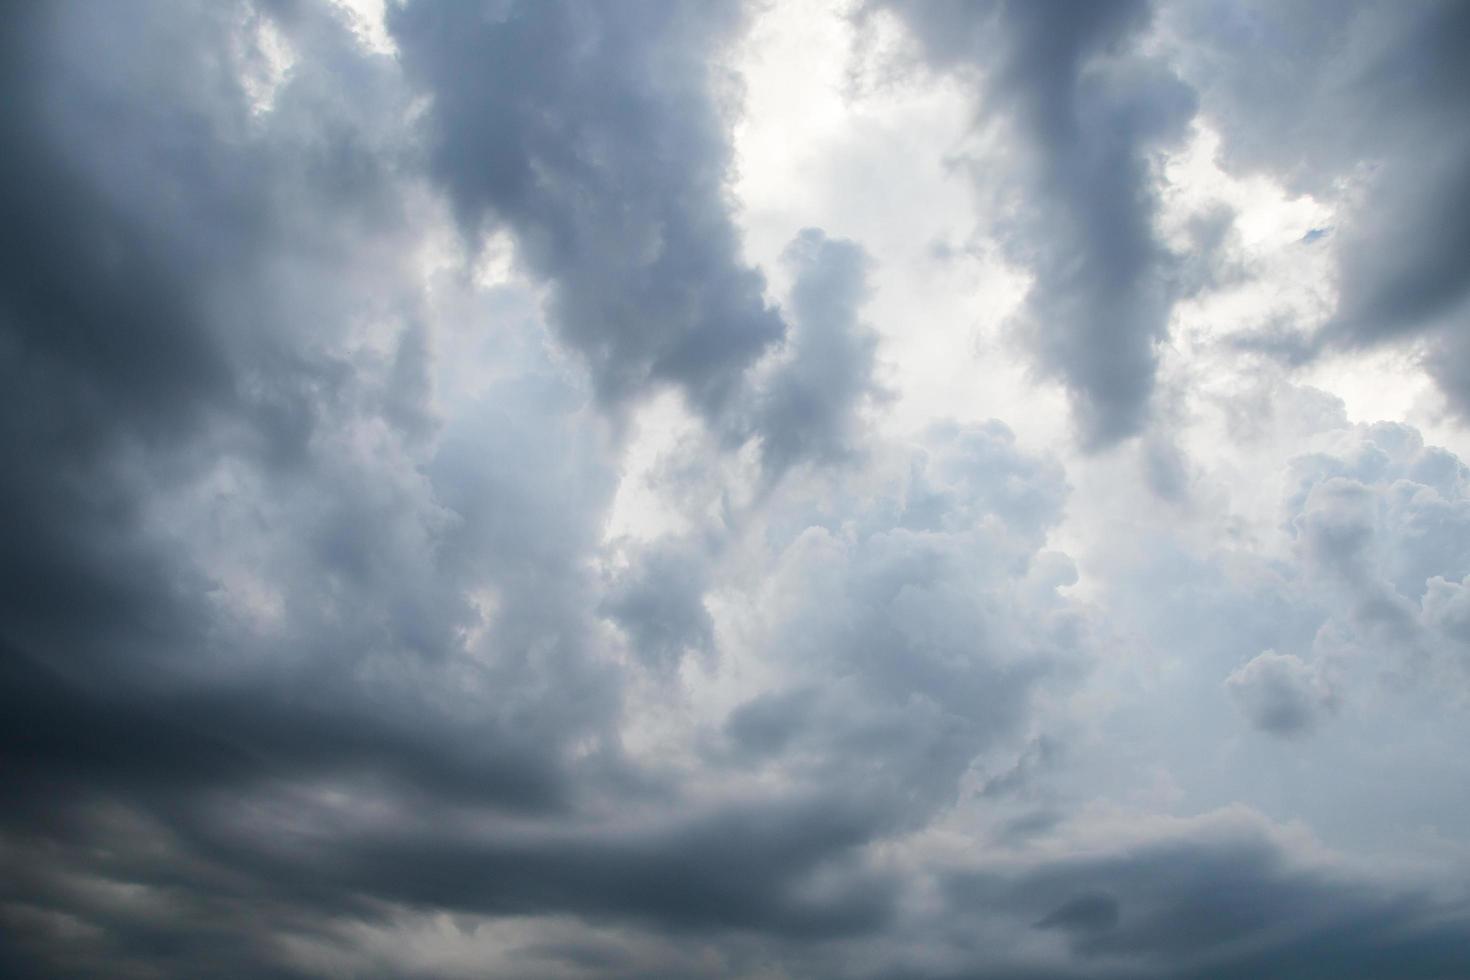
[(322, 653), (242, 554), (1087, 110), (1363, 95), (659, 602), (906, 636), (598, 137), (1378, 519), (1280, 694), (1222, 895), (808, 406), (295, 594)]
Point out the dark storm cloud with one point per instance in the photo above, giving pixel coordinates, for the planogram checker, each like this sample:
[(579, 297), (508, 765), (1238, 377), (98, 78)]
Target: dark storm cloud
[(294, 644), (599, 136), (139, 315), (124, 370), (1088, 110), (183, 406), (258, 588), (1368, 93), (1220, 900), (739, 868), (98, 348)]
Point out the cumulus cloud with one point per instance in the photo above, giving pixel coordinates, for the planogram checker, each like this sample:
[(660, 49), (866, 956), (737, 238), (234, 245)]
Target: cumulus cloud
[(907, 635), (1280, 694), (1383, 523), (325, 647)]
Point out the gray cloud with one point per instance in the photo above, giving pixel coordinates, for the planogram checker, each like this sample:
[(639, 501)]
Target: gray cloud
[(1367, 93), (598, 136), (1280, 694), (1223, 898), (808, 405), (232, 556), (353, 587), (659, 603), (309, 637), (911, 641), (1382, 524), (1087, 109)]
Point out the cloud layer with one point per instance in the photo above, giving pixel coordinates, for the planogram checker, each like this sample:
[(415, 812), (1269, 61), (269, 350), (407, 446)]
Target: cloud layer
[(433, 544)]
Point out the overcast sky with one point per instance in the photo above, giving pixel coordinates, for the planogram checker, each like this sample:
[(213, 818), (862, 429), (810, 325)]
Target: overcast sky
[(801, 489)]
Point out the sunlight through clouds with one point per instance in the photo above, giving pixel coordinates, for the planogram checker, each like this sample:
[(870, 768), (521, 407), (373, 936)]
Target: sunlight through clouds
[(754, 488)]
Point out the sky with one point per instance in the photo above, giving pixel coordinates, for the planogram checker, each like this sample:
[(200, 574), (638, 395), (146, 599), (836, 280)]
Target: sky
[(805, 489)]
